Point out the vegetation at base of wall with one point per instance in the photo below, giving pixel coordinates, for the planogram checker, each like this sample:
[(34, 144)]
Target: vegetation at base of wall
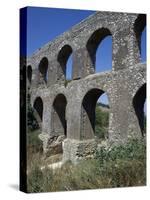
[(119, 166), (101, 122), (134, 149)]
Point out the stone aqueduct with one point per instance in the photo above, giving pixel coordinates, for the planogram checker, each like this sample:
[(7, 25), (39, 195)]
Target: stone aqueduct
[(69, 109)]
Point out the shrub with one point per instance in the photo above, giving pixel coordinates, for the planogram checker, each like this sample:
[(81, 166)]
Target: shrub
[(133, 149)]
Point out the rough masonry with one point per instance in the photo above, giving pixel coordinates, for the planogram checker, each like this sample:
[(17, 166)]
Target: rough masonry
[(68, 109)]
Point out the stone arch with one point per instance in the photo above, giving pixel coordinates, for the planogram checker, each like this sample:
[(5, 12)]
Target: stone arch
[(43, 69), (58, 123), (138, 104), (93, 43), (38, 110), (139, 25), (62, 59), (29, 73), (88, 108)]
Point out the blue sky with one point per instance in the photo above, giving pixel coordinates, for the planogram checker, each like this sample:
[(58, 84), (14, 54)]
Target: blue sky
[(45, 24)]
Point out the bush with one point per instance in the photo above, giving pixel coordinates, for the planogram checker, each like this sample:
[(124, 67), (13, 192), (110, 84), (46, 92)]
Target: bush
[(133, 149)]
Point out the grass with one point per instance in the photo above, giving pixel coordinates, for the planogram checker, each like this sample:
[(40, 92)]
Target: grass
[(119, 166), (34, 149)]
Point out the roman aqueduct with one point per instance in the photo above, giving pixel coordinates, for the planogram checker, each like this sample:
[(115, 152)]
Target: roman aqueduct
[(69, 109)]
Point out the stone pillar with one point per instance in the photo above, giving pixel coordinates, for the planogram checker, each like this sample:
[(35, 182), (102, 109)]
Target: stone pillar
[(45, 132), (82, 64), (52, 73), (125, 48), (75, 147), (123, 123), (133, 129), (73, 118), (34, 81)]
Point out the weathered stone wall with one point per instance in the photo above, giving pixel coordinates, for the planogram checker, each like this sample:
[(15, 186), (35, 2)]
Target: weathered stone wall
[(69, 109)]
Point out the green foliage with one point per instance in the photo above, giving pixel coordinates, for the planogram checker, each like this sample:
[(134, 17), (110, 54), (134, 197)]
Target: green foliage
[(134, 149), (120, 166), (101, 123)]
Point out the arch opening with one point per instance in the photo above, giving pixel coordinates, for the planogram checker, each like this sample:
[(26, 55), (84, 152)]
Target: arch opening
[(59, 125), (99, 47), (43, 69), (69, 69), (104, 55), (140, 32), (65, 62), (38, 106), (95, 115), (143, 45), (29, 73), (139, 101)]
